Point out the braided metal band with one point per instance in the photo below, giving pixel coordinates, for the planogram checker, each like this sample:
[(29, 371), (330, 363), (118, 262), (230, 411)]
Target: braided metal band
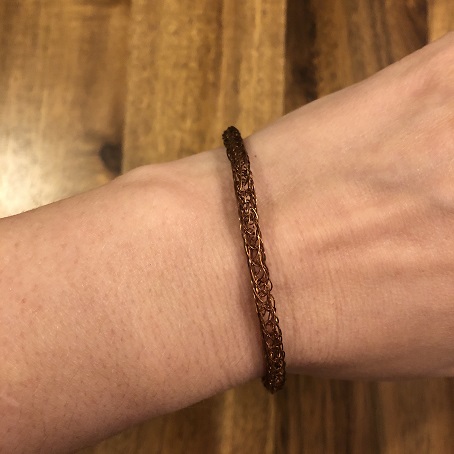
[(274, 377)]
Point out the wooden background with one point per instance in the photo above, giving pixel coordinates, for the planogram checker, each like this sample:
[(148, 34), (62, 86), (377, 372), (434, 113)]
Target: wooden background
[(89, 88)]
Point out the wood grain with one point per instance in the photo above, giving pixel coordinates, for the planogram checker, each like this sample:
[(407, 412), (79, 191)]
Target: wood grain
[(331, 44), (197, 67), (441, 18), (62, 78)]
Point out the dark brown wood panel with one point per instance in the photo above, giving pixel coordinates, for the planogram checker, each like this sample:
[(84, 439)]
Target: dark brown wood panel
[(333, 44), (62, 79)]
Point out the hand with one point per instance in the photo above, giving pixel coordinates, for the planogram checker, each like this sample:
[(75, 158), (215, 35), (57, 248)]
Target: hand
[(363, 185)]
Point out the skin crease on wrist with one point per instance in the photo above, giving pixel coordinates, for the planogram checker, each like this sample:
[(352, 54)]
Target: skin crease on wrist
[(134, 299)]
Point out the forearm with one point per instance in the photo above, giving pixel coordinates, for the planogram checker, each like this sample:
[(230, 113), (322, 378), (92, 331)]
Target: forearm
[(123, 303)]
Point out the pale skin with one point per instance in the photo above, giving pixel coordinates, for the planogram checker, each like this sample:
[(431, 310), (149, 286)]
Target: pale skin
[(133, 300)]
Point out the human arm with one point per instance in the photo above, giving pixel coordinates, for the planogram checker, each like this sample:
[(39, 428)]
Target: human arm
[(133, 300)]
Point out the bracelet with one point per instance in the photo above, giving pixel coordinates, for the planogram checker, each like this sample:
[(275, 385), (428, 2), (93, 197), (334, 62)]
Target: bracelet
[(243, 183)]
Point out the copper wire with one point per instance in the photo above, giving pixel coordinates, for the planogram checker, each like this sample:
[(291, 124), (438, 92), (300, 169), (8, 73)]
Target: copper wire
[(274, 377)]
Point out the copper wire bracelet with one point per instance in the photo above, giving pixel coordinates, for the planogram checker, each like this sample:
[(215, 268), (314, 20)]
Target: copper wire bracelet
[(243, 183)]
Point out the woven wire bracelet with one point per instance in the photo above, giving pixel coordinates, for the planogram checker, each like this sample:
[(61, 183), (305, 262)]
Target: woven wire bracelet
[(274, 377)]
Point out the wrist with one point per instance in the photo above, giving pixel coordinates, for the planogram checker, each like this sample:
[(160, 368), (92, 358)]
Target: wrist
[(206, 204), (209, 314)]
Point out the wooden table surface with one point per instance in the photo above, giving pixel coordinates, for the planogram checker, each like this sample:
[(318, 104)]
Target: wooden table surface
[(89, 88)]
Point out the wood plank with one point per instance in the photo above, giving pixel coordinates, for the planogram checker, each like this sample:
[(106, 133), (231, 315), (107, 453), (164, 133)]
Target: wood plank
[(417, 416), (195, 68), (301, 53), (441, 18), (62, 79), (332, 44)]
